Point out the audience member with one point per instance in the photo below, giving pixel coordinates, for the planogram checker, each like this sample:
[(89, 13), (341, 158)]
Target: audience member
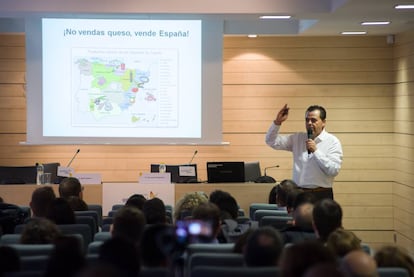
[(240, 243), (231, 228), (263, 247), (298, 258), (226, 203), (273, 194), (302, 198), (122, 255), (282, 194), (136, 200), (291, 198), (301, 228), (358, 263), (394, 256), (60, 212), (184, 207), (327, 217), (39, 231), (129, 223), (67, 258), (9, 261), (41, 199), (154, 211), (70, 186), (209, 213), (158, 245), (342, 241), (77, 204)]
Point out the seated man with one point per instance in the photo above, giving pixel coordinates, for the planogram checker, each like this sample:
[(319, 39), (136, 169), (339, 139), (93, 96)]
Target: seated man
[(327, 217), (129, 223), (301, 228), (263, 247), (358, 263), (70, 187), (154, 211)]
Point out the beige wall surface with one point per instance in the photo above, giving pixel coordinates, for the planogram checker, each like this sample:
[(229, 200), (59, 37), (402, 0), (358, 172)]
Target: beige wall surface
[(365, 84), (403, 188)]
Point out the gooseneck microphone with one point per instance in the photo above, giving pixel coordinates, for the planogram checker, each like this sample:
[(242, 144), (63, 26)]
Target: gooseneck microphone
[(269, 167), (265, 178), (310, 133), (73, 158), (192, 158)]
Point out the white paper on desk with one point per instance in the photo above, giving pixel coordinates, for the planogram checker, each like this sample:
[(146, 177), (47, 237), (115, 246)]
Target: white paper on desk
[(64, 171), (187, 170), (155, 178), (89, 178)]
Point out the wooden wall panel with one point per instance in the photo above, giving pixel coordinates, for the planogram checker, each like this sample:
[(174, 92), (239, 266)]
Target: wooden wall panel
[(376, 239), (352, 76), (403, 188), (305, 53), (309, 42)]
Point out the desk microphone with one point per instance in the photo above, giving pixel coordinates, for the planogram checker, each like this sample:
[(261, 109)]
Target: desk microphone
[(192, 158), (73, 158), (266, 168), (265, 178)]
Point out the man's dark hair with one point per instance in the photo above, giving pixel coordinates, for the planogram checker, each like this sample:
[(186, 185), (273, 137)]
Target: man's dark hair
[(136, 200), (226, 203), (327, 216), (263, 248), (282, 194), (321, 110), (154, 211), (291, 198), (129, 223), (41, 199), (302, 198), (273, 194), (60, 212), (77, 204), (70, 187), (299, 257)]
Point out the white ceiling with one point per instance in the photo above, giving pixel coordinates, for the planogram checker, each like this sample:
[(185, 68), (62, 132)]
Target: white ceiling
[(309, 17)]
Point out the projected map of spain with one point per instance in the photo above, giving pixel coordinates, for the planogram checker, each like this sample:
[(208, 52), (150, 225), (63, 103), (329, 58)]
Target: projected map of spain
[(124, 87)]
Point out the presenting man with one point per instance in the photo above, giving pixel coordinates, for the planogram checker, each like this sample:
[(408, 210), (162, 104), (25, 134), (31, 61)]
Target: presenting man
[(317, 155)]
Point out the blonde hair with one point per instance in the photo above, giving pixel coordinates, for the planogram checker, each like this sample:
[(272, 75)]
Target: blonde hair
[(188, 203), (342, 241)]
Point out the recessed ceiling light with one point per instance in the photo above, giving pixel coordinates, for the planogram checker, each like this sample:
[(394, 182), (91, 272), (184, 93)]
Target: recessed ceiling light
[(375, 23), (354, 33), (252, 36), (275, 17), (398, 7)]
